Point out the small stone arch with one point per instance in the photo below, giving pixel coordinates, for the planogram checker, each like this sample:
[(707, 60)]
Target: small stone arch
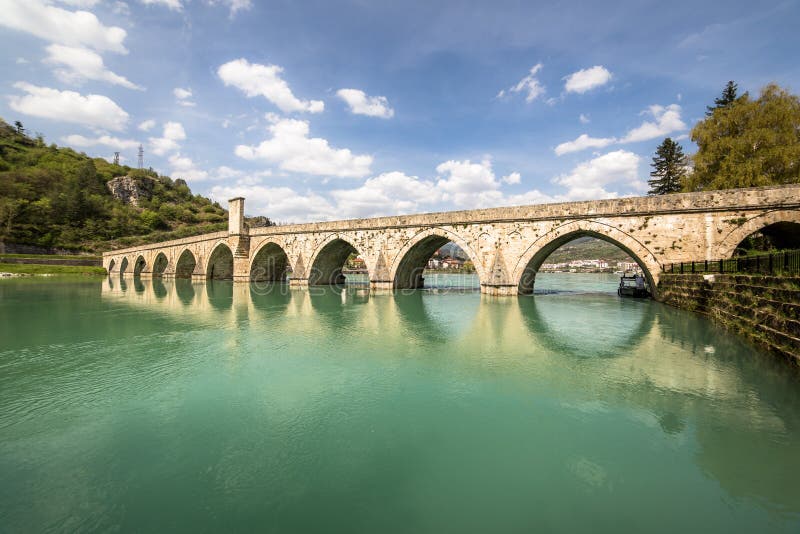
[(160, 264), (740, 232), (111, 266), (123, 265), (220, 263), (409, 263), (525, 270), (186, 264), (139, 265), (269, 264), (325, 267)]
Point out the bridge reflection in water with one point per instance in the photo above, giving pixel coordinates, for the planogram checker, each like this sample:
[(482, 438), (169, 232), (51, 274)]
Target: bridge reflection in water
[(592, 353)]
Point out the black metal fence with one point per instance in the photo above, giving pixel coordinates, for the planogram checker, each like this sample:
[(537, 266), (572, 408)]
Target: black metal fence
[(785, 262)]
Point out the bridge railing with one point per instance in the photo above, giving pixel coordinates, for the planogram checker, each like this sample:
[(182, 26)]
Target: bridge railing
[(777, 263)]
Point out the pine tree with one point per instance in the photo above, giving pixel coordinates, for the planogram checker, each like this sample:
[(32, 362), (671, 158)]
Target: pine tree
[(669, 168), (728, 97)]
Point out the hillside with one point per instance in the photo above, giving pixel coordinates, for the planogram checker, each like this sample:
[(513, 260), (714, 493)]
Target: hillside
[(56, 197), (588, 248)]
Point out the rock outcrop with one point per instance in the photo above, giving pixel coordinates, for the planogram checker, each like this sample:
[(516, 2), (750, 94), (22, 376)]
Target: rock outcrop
[(131, 189)]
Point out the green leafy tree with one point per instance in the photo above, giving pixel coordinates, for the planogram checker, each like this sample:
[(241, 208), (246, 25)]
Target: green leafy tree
[(18, 126), (728, 97), (748, 143), (669, 168)]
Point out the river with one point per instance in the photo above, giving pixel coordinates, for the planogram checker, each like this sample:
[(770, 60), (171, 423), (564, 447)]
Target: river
[(170, 406)]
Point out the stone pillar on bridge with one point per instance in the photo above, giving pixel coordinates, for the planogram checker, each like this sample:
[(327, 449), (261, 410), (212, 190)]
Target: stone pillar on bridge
[(239, 239)]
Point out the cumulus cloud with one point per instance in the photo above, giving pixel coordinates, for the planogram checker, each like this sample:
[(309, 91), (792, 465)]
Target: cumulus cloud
[(183, 167), (588, 180), (76, 65), (513, 178), (173, 132), (255, 79), (183, 96), (292, 149), (80, 141), (279, 203), (57, 25), (584, 119), (172, 5), (387, 193), (361, 104), (234, 6), (147, 125), (93, 111), (530, 84), (583, 142), (587, 79), (667, 120)]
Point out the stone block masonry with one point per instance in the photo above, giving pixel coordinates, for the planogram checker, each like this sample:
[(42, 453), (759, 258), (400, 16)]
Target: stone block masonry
[(763, 309)]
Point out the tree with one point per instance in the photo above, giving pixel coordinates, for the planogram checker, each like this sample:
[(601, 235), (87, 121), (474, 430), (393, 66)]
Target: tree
[(748, 143), (18, 126), (669, 168), (728, 97)]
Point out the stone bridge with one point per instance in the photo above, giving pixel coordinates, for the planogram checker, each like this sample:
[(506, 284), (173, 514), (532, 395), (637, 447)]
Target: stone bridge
[(506, 245)]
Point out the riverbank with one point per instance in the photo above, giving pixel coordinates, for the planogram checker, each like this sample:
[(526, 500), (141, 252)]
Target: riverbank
[(34, 269)]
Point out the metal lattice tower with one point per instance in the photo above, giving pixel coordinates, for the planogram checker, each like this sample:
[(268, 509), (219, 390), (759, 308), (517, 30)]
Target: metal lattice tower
[(116, 158), (141, 157)]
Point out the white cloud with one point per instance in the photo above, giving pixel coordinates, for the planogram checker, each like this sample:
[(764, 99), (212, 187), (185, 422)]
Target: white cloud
[(147, 125), (183, 96), (588, 180), (584, 119), (264, 80), (234, 6), (57, 25), (529, 84), (183, 167), (583, 142), (667, 120), (292, 149), (468, 185), (168, 142), (94, 111), (173, 5), (388, 193), (587, 79), (513, 178), (280, 204), (113, 142), (80, 64), (79, 3), (361, 104), (21, 61)]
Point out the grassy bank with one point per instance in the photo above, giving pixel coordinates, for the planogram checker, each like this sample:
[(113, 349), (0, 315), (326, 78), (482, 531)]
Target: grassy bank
[(50, 256), (29, 268)]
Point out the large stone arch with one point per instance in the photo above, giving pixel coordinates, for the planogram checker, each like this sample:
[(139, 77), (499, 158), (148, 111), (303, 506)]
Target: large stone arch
[(186, 264), (525, 270), (139, 265), (325, 266), (220, 262), (408, 264), (740, 232), (160, 264), (270, 263), (123, 265)]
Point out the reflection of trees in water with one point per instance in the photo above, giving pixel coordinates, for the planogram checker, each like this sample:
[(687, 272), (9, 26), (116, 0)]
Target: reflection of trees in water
[(587, 326), (184, 289), (220, 294)]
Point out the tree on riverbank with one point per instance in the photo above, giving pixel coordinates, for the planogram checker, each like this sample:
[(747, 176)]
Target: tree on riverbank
[(669, 168), (747, 143)]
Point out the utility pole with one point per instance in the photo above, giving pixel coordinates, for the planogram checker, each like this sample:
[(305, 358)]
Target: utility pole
[(116, 158), (141, 157)]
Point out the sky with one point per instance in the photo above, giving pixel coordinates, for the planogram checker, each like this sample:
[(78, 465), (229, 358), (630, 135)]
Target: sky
[(325, 109)]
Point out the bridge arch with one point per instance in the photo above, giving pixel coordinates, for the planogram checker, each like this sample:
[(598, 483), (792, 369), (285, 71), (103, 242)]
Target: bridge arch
[(410, 262), (111, 266), (185, 265), (123, 265), (728, 245), (530, 261), (160, 264), (270, 263), (139, 265), (220, 262), (325, 267)]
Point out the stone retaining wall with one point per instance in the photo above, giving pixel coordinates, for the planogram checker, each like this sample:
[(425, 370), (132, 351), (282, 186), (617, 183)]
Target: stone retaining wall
[(764, 309)]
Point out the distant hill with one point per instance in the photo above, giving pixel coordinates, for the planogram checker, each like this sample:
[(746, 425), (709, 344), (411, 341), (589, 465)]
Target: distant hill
[(588, 248), (56, 197)]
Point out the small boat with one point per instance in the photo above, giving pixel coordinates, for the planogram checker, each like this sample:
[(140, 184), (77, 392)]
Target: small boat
[(633, 285)]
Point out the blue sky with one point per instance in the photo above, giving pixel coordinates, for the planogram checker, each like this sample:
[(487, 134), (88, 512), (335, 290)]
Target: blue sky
[(330, 109)]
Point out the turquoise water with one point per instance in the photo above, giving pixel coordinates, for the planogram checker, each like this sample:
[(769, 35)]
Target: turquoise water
[(149, 406)]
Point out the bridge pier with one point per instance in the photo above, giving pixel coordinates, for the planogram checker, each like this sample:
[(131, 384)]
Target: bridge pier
[(500, 290)]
